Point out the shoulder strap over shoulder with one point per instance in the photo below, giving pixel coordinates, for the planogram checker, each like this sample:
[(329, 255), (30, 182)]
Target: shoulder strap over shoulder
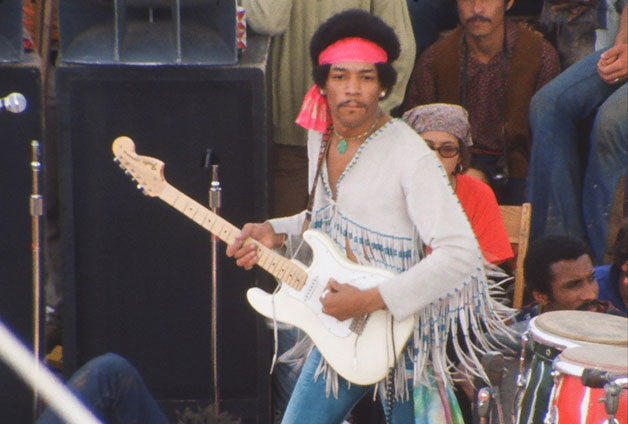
[(321, 157)]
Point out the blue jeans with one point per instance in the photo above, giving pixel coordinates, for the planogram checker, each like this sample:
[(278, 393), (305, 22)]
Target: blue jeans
[(114, 391), (569, 196), (284, 375), (309, 405)]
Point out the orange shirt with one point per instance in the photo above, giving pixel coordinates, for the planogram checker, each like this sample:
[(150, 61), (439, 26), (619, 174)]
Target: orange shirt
[(479, 203)]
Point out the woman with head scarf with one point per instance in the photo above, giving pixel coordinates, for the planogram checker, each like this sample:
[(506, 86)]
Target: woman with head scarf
[(445, 129)]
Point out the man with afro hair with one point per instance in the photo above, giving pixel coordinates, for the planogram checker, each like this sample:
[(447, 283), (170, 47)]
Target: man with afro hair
[(380, 195), (291, 23)]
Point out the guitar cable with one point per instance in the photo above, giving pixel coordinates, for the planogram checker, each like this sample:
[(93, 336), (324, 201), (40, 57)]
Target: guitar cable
[(390, 378), (389, 395)]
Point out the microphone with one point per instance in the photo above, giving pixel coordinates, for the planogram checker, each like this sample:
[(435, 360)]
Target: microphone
[(14, 103), (493, 363), (595, 377)]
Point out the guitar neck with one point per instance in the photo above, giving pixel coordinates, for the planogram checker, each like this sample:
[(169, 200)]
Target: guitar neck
[(281, 268)]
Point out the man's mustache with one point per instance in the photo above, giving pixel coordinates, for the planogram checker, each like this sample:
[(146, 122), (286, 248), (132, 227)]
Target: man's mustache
[(589, 305), (352, 102), (479, 18)]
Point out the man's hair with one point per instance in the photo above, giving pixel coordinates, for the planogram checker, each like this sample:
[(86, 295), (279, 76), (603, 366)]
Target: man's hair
[(620, 248), (355, 23), (546, 251)]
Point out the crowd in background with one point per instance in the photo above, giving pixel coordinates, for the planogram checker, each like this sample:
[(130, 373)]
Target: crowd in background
[(521, 102)]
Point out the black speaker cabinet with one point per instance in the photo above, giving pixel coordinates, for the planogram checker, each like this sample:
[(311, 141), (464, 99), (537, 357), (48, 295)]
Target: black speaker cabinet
[(148, 31), (138, 272), (16, 276), (11, 31)]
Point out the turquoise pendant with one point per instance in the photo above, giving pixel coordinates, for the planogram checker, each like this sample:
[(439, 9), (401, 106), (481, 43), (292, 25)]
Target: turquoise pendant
[(342, 146)]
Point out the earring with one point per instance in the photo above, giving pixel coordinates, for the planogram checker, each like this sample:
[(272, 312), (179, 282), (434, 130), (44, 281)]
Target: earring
[(457, 169), (321, 92), (382, 94)]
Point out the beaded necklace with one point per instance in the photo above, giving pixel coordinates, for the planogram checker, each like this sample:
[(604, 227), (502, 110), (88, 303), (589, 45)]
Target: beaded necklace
[(342, 144)]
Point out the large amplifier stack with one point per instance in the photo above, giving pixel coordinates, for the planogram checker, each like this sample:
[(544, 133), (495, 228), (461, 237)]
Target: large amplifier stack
[(137, 274)]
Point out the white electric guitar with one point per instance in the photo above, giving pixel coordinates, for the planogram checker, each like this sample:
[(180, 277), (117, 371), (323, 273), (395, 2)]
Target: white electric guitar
[(360, 349)]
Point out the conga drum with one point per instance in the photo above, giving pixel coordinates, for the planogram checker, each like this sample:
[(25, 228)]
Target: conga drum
[(552, 333), (573, 402)]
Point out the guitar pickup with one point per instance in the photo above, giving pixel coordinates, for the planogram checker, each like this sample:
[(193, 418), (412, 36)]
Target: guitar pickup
[(358, 324)]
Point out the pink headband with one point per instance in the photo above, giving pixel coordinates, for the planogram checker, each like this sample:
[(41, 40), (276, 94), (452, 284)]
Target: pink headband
[(314, 114), (352, 49)]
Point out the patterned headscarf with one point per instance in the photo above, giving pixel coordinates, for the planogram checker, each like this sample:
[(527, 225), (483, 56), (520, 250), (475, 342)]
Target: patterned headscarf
[(452, 119)]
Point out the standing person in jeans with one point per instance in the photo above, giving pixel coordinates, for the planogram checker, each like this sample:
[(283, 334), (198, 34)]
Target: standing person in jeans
[(380, 196), (291, 24), (568, 195)]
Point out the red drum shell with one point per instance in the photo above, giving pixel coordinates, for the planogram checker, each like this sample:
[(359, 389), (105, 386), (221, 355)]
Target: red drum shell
[(571, 401)]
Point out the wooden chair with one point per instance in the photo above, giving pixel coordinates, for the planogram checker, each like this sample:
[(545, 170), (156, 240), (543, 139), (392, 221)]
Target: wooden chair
[(517, 222)]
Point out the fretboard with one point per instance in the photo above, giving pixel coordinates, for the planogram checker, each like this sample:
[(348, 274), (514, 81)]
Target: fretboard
[(279, 267)]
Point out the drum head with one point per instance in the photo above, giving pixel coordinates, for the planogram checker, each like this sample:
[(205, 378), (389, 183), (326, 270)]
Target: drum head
[(613, 359), (584, 326)]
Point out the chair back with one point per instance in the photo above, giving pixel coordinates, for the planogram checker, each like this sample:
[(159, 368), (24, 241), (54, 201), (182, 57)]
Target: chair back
[(517, 222)]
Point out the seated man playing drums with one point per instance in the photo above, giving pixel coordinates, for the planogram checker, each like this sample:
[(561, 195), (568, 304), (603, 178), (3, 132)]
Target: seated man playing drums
[(560, 276)]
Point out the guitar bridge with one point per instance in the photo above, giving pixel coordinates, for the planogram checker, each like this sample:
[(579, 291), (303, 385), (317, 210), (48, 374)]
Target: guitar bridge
[(358, 324)]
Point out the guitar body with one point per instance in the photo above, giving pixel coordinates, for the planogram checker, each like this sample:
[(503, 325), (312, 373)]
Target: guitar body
[(362, 356)]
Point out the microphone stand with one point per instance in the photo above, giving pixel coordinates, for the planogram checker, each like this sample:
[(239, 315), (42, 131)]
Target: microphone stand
[(36, 210), (597, 378), (522, 379), (490, 397), (612, 390), (215, 200), (483, 404)]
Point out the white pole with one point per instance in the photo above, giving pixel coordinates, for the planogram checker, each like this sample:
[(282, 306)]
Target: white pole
[(34, 373)]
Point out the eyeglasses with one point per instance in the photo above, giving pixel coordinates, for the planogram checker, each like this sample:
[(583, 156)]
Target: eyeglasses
[(446, 151)]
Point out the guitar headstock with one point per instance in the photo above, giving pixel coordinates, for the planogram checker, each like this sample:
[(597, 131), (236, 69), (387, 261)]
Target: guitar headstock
[(146, 171)]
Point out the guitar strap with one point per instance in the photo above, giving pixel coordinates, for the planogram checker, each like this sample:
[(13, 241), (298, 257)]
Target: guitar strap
[(321, 156)]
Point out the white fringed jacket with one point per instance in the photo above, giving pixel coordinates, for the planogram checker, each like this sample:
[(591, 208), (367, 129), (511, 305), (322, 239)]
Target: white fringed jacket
[(392, 199)]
